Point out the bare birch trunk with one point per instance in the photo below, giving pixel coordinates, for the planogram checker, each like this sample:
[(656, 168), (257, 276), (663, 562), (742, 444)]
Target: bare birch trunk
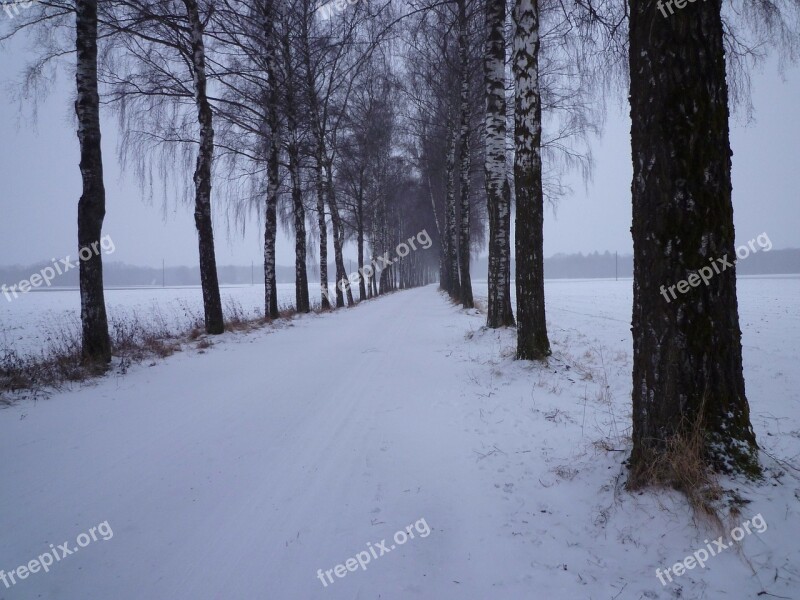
[(687, 351), (464, 228), (532, 341), (212, 304), (498, 191), (338, 244), (323, 237), (451, 248), (362, 289), (273, 166), (96, 345), (302, 304)]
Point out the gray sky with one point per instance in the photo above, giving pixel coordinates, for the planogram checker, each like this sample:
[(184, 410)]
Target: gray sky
[(766, 197), (41, 186)]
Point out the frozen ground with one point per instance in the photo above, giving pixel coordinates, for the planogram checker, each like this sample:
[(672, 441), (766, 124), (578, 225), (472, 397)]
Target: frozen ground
[(239, 471)]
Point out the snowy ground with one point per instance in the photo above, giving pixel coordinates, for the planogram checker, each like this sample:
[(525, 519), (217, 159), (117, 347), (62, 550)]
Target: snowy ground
[(240, 471)]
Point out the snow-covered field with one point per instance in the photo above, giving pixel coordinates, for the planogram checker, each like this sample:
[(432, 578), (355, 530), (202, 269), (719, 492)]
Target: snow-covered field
[(28, 322), (250, 469)]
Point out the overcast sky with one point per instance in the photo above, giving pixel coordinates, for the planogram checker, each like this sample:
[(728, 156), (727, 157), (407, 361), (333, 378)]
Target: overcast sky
[(41, 186)]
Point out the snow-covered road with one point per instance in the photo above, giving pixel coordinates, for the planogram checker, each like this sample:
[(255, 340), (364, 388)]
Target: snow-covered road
[(239, 472)]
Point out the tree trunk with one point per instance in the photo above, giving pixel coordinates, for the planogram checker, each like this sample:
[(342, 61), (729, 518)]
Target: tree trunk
[(532, 342), (270, 233), (318, 130), (464, 229), (374, 251), (323, 238), (384, 239), (212, 303), (300, 270), (273, 166), (362, 288), (498, 192), (338, 244), (687, 353), (442, 251), (96, 345), (302, 304), (451, 246)]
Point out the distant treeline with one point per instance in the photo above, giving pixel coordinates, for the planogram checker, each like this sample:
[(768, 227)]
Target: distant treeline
[(560, 266)]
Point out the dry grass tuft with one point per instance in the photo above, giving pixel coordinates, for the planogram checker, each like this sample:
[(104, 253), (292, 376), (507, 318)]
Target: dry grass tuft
[(682, 465), (134, 339), (203, 344)]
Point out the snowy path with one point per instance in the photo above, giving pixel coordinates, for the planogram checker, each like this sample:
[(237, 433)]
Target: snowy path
[(239, 472)]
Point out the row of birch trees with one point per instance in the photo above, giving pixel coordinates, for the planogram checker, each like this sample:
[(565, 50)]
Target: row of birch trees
[(388, 118), (501, 108), (287, 113), (546, 65)]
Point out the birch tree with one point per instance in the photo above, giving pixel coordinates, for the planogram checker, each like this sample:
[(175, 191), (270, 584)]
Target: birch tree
[(156, 79), (365, 145), (248, 114), (464, 239), (293, 140), (687, 351), (96, 345), (498, 191), (62, 29), (212, 304), (532, 340), (273, 159)]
